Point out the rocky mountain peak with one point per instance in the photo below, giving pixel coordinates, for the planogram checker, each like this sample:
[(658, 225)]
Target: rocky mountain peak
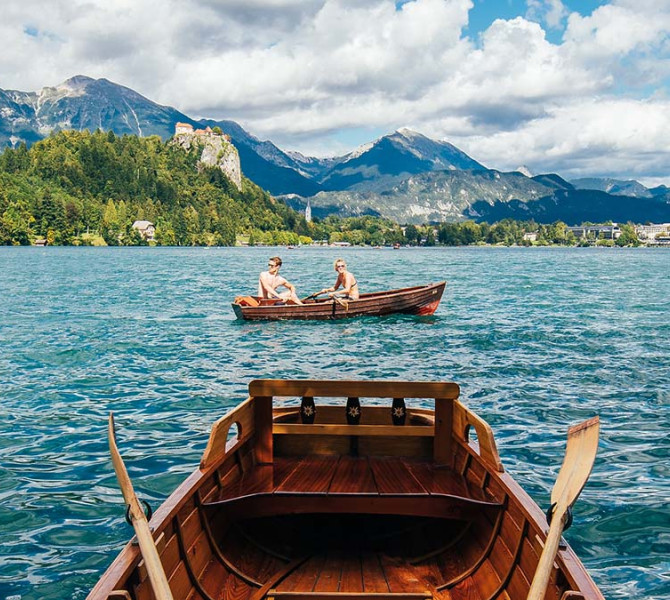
[(76, 82), (408, 133)]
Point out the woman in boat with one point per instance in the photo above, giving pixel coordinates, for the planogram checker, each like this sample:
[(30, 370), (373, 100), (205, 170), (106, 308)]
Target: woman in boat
[(346, 280), (270, 280)]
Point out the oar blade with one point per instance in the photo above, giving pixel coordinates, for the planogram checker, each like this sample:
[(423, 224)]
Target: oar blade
[(117, 462), (580, 455)]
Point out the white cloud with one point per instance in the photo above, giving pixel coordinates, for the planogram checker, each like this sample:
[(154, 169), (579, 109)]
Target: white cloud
[(551, 12), (615, 30), (298, 70), (597, 136)]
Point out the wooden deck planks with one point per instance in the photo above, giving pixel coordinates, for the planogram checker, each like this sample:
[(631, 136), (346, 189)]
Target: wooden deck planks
[(374, 580), (401, 576), (392, 477), (353, 475), (443, 480), (352, 573), (330, 575), (350, 475), (305, 577), (259, 479), (312, 474)]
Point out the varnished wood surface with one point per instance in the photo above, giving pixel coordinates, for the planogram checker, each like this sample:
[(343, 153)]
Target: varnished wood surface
[(354, 388), (374, 430), (243, 416), (359, 555), (341, 476)]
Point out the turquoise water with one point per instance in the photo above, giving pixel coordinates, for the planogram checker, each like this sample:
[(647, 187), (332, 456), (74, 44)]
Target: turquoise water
[(537, 338)]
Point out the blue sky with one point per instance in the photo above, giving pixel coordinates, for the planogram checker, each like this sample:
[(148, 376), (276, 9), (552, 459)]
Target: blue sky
[(484, 12), (574, 87)]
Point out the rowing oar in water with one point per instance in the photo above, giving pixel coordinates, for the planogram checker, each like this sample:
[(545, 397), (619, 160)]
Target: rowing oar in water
[(157, 576), (580, 453)]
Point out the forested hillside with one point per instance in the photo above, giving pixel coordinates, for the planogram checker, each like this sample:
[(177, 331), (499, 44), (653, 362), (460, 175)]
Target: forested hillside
[(75, 186)]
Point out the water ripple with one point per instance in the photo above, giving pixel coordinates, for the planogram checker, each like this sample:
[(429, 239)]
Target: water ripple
[(537, 339)]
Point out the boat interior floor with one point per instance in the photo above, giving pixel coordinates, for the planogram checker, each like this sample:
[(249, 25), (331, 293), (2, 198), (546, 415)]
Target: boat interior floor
[(350, 554), (324, 526)]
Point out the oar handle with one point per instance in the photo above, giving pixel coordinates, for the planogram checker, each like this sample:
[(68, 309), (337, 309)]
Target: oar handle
[(313, 296), (157, 576), (543, 572)]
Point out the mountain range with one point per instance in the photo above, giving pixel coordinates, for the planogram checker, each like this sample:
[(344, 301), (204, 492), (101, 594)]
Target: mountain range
[(405, 175)]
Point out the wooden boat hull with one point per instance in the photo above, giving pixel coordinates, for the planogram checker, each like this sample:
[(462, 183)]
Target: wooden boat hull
[(333, 511), (421, 300)]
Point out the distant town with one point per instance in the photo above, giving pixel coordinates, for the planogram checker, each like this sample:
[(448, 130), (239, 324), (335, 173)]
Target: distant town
[(653, 234)]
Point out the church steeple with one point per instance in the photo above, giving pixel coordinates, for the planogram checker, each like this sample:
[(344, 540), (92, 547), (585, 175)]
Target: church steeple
[(308, 213)]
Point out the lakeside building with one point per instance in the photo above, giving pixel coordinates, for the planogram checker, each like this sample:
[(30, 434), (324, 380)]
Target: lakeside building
[(308, 213), (146, 229), (607, 232), (653, 231)]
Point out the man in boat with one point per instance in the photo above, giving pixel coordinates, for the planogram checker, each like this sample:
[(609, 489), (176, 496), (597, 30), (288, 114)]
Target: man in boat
[(346, 280), (270, 280)]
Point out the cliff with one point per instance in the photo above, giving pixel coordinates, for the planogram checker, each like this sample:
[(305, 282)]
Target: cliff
[(216, 151)]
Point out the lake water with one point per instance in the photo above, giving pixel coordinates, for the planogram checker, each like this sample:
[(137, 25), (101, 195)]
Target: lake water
[(537, 338)]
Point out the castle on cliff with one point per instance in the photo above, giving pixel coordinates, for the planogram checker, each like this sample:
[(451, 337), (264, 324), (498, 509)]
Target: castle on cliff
[(188, 128), (216, 149)]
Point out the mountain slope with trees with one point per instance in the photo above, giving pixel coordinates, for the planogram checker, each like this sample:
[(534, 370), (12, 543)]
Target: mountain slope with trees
[(74, 183), (404, 176)]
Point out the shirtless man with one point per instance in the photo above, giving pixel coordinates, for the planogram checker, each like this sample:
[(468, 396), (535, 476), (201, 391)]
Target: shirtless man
[(344, 279), (270, 280)]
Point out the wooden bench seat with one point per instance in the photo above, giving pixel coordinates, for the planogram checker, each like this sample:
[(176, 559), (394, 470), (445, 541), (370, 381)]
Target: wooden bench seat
[(349, 485), (417, 505)]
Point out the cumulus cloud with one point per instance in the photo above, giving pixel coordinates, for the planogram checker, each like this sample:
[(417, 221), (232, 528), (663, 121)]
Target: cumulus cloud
[(299, 71), (550, 12), (609, 137)]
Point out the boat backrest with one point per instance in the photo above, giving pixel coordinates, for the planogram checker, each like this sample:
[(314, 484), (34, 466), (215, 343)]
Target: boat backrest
[(444, 394), (435, 432), (361, 389)]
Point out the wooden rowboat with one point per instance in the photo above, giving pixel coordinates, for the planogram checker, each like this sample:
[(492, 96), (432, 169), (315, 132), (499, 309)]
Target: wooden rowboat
[(308, 501), (421, 300)]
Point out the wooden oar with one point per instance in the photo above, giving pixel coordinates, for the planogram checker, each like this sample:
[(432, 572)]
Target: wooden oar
[(312, 296), (157, 576), (580, 454)]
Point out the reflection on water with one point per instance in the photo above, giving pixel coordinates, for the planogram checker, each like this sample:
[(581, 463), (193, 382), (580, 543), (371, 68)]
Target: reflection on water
[(537, 339)]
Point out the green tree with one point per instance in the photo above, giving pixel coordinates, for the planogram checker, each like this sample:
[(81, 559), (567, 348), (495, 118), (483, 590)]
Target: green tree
[(16, 225), (628, 236), (111, 226), (412, 236)]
